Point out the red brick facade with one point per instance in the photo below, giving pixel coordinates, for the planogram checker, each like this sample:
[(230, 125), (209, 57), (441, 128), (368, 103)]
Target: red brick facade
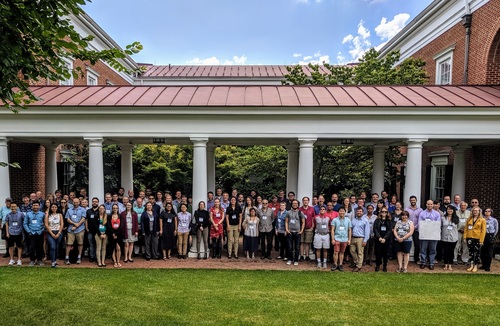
[(31, 176)]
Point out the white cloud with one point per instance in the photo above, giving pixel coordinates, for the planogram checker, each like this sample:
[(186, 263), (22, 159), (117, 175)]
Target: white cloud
[(375, 1), (308, 1), (214, 61), (307, 58), (297, 55), (347, 38), (341, 59), (357, 44), (363, 31), (387, 29), (316, 58)]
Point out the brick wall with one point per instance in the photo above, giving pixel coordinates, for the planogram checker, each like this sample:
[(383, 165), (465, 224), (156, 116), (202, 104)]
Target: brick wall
[(31, 176), (485, 27)]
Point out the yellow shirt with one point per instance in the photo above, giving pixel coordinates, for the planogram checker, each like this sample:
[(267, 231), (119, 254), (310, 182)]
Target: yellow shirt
[(475, 230)]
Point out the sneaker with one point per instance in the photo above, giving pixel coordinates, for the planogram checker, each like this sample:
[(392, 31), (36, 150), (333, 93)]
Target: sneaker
[(301, 258), (11, 262), (284, 259), (324, 264), (279, 257), (399, 270), (40, 263), (319, 265), (334, 267), (19, 263), (289, 262), (405, 270), (32, 263), (66, 261), (340, 268), (296, 263), (53, 265), (79, 261)]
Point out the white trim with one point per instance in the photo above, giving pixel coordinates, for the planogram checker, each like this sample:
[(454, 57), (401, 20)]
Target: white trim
[(69, 64), (92, 74), (444, 60)]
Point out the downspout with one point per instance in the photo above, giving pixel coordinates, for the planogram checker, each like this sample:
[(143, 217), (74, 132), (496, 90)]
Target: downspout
[(466, 22)]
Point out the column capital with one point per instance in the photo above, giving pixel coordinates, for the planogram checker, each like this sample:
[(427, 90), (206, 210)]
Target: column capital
[(292, 147), (460, 148), (199, 141), (380, 148), (4, 141), (416, 142), (50, 147), (307, 141), (126, 147), (95, 141)]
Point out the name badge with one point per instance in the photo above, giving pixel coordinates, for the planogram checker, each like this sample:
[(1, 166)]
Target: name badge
[(34, 221), (383, 228), (91, 215), (74, 216), (252, 227), (201, 219), (450, 227), (470, 227), (108, 211), (341, 228), (233, 217), (264, 217), (184, 224), (116, 225), (217, 214), (462, 220), (14, 223), (427, 219), (323, 226), (292, 221), (169, 220)]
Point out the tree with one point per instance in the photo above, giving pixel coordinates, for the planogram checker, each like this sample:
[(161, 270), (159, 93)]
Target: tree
[(357, 161), (35, 39)]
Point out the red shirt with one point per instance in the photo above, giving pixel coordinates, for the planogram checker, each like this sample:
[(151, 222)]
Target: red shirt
[(332, 215), (309, 213)]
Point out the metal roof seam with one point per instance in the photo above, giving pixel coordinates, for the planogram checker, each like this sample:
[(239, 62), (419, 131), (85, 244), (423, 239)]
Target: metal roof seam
[(435, 93), (395, 89), (387, 97), (332, 96), (142, 95)]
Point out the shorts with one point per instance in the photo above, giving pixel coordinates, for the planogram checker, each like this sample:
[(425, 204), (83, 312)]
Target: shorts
[(16, 240), (403, 247), (321, 241), (78, 236), (340, 246), (307, 236)]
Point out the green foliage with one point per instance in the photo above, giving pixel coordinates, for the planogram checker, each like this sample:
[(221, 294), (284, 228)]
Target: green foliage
[(13, 165), (335, 75), (259, 168), (35, 38)]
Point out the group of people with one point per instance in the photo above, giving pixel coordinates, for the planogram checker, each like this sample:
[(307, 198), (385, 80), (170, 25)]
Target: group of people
[(156, 225)]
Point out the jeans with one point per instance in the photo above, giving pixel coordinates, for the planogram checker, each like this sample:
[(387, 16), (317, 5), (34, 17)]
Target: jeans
[(91, 239), (428, 249), (266, 243), (293, 240), (54, 246), (36, 246)]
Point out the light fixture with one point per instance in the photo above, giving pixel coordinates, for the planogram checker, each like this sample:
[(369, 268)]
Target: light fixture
[(346, 141), (158, 140)]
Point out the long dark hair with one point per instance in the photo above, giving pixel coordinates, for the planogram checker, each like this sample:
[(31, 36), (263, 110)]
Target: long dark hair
[(454, 216)]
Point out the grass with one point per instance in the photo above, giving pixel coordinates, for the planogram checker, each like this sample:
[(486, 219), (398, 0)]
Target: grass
[(43, 296)]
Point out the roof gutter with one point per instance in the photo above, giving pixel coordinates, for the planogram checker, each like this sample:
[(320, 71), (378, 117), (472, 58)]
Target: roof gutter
[(467, 22)]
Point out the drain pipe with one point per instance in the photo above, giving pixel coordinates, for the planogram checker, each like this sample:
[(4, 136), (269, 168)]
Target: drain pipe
[(466, 22)]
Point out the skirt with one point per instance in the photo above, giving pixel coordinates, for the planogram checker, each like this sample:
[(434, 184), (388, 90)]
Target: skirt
[(251, 244)]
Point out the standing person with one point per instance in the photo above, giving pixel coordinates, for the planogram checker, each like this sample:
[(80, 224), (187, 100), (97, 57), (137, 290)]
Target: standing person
[(428, 241), (3, 214), (414, 211), (341, 233), (321, 224), (90, 216), (266, 222), (403, 231), (461, 248), (489, 240), (307, 238), (281, 232), (294, 227), (98, 229), (360, 236), (130, 231), (34, 225), (382, 229), (449, 235), (369, 249), (233, 227), (139, 209), (217, 229), (251, 227), (182, 227), (474, 233), (116, 230), (150, 224), (14, 221), (54, 225), (63, 209), (76, 229), (167, 229), (202, 224), (349, 211)]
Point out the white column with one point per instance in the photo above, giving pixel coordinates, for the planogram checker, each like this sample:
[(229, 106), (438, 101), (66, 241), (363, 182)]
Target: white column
[(210, 168), (305, 175), (458, 182), (96, 168), (4, 170), (292, 168), (199, 178), (50, 169), (413, 179), (378, 176), (127, 172)]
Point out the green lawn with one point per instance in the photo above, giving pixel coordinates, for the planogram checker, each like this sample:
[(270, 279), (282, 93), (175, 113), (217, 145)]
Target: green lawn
[(44, 296)]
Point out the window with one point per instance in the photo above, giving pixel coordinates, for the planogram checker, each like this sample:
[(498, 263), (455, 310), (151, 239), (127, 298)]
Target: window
[(69, 64), (438, 176), (92, 77), (444, 65)]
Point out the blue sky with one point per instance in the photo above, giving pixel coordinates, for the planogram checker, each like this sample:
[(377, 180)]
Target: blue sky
[(253, 32)]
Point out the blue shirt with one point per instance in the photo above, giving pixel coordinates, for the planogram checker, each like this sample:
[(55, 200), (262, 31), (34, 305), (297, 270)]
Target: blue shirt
[(429, 216), (33, 222), (3, 214), (280, 221), (15, 222), (76, 215), (342, 226), (317, 207), (361, 228)]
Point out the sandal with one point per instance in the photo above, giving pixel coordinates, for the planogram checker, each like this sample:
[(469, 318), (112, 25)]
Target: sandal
[(131, 260), (116, 265), (165, 258), (119, 265)]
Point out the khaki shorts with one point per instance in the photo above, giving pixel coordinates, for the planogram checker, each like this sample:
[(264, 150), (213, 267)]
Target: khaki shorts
[(78, 236), (307, 236)]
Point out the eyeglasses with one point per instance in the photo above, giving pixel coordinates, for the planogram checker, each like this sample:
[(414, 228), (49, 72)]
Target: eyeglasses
[(383, 212), (63, 202), (488, 210), (475, 202)]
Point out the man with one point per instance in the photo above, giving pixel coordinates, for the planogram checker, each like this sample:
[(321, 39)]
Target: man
[(91, 214), (76, 230), (84, 204), (234, 192), (341, 233), (457, 200), (14, 233), (224, 203), (26, 206), (294, 227), (374, 200), (210, 200), (58, 197), (39, 198), (413, 213), (83, 193), (475, 203), (353, 200), (125, 201), (360, 236), (266, 216), (241, 202), (156, 207), (178, 198), (330, 212), (34, 225), (446, 203), (3, 215), (335, 202), (392, 204), (315, 201), (461, 248), (115, 201), (370, 245), (107, 203), (362, 195), (72, 196), (307, 239), (121, 193), (218, 193), (385, 197), (291, 197), (427, 237), (139, 209), (281, 197), (361, 203), (321, 203), (321, 224), (131, 196)]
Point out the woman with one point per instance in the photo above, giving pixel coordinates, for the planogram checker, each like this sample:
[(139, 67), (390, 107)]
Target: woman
[(248, 206), (182, 227), (115, 227), (449, 236), (46, 206), (54, 226), (131, 231), (159, 198), (382, 229), (474, 233), (280, 231), (258, 201), (202, 222), (251, 227), (63, 209), (489, 240), (233, 226), (167, 230), (216, 229), (51, 198), (150, 224), (98, 229), (403, 231), (380, 206), (349, 212)]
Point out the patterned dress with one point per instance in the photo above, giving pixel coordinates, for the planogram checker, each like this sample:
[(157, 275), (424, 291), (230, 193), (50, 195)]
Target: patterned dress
[(217, 215)]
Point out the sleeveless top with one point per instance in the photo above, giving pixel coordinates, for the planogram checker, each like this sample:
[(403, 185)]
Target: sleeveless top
[(403, 228), (54, 222)]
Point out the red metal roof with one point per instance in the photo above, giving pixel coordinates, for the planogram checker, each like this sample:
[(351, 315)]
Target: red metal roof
[(269, 96), (220, 71)]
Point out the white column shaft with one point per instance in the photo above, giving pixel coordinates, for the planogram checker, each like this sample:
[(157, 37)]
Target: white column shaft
[(413, 180), (211, 168), (458, 182), (199, 177), (96, 168), (292, 168), (127, 172), (4, 171), (378, 176), (50, 169), (305, 175)]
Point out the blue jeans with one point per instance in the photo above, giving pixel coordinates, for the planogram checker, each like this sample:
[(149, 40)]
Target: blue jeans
[(54, 246), (91, 239), (430, 246), (293, 246)]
